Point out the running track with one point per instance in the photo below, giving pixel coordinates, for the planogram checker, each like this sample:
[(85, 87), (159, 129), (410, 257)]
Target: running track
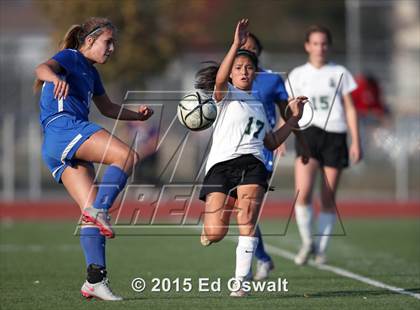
[(65, 210)]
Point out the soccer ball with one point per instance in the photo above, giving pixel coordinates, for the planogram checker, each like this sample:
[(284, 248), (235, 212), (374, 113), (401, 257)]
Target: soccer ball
[(196, 111)]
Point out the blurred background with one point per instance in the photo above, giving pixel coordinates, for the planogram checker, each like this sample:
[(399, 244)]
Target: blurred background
[(161, 45)]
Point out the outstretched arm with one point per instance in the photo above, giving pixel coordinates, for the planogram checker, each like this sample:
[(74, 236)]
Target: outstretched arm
[(111, 110), (274, 139), (298, 134), (222, 77)]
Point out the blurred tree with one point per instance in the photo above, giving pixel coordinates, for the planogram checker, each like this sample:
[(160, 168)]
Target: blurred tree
[(149, 32), (280, 24), (152, 32)]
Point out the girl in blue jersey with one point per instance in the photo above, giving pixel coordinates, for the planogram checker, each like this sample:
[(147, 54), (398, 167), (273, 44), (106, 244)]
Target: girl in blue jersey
[(71, 143)]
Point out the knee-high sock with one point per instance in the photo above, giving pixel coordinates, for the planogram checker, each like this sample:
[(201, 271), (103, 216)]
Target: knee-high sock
[(326, 221), (260, 252), (113, 181), (303, 215), (244, 253), (93, 245)]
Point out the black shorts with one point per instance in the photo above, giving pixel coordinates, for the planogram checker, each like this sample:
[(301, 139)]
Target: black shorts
[(328, 148), (224, 177)]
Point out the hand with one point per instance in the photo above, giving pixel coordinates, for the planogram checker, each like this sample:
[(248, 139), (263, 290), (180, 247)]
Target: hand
[(61, 88), (144, 113), (355, 153), (241, 33), (295, 106)]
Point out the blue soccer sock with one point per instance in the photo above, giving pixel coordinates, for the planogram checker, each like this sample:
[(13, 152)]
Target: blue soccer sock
[(113, 182), (93, 245), (260, 252)]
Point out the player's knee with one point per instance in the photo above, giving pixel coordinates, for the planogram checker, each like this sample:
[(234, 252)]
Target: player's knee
[(245, 219), (248, 216), (303, 200), (247, 230), (128, 159), (215, 234)]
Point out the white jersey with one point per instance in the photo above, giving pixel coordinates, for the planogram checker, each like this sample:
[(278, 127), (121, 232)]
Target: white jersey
[(325, 88), (239, 129)]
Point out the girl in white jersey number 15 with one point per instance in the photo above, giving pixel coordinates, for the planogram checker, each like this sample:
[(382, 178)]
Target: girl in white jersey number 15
[(328, 87), (236, 177), (71, 143)]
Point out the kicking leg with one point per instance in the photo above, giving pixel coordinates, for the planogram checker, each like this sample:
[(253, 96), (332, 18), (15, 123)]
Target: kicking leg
[(102, 147), (216, 217), (78, 181)]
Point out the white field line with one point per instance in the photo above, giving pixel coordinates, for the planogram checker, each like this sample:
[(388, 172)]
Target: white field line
[(339, 271)]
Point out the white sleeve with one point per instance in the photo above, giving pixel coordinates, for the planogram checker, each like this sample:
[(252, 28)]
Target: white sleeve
[(348, 84), (227, 97)]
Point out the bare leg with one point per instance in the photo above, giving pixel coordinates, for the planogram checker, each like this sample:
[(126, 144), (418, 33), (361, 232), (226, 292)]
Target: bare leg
[(331, 178), (304, 180), (304, 184), (327, 216), (78, 181), (102, 147), (217, 217), (250, 197)]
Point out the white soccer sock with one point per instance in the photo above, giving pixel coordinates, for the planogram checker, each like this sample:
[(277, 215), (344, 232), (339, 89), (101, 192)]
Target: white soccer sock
[(244, 253), (326, 221), (303, 215)]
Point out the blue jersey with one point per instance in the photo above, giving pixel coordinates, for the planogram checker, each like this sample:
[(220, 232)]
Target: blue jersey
[(84, 82), (269, 88)]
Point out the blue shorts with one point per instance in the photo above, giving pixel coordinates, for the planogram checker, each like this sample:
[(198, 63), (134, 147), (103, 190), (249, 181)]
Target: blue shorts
[(62, 138)]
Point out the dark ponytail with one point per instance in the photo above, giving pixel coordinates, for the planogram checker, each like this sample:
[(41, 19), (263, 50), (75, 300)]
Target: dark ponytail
[(206, 77)]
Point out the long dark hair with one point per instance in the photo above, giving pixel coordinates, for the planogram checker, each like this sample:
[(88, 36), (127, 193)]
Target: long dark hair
[(205, 78), (76, 35)]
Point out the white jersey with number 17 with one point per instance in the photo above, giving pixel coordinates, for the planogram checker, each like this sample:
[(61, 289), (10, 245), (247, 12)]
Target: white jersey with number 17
[(239, 129), (325, 88)]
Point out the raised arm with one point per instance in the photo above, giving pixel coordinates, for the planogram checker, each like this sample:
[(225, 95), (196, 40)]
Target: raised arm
[(222, 77), (48, 71)]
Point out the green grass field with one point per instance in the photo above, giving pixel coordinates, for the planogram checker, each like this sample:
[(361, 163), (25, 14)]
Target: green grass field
[(42, 267)]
